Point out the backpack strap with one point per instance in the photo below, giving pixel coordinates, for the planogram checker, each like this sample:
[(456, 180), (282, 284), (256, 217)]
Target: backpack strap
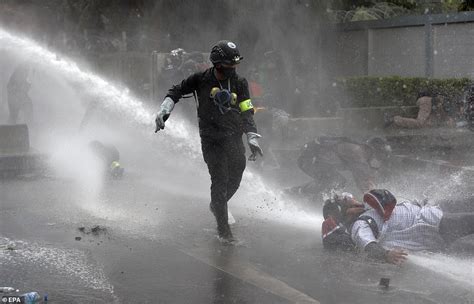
[(372, 224)]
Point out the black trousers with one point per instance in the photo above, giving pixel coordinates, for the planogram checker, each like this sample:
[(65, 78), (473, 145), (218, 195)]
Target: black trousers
[(225, 159), (456, 225), (458, 218)]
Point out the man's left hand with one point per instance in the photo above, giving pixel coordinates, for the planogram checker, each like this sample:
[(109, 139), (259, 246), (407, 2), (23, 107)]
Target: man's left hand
[(396, 256)]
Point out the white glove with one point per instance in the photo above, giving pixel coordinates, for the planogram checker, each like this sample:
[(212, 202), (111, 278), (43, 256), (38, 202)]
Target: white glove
[(165, 111), (253, 144)]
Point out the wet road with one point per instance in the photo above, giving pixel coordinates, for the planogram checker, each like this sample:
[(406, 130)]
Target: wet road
[(160, 247), (151, 252)]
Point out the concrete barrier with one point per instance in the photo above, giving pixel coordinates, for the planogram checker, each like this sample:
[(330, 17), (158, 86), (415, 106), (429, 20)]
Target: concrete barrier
[(349, 122), (302, 130), (372, 118), (14, 139), (16, 156)]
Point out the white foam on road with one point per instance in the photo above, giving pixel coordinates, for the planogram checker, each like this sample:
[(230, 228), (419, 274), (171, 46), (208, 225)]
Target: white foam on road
[(71, 264)]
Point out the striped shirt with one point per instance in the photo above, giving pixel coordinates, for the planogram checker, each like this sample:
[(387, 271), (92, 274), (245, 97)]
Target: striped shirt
[(410, 227)]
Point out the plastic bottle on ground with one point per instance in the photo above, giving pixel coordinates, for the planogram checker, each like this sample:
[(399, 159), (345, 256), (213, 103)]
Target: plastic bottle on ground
[(31, 297), (7, 289)]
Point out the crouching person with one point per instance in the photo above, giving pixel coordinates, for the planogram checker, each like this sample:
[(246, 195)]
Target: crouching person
[(325, 158), (109, 157)]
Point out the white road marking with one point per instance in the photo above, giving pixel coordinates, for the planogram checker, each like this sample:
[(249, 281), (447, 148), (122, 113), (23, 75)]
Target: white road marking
[(250, 274)]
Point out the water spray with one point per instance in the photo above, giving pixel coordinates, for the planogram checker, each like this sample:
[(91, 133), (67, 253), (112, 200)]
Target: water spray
[(457, 269), (115, 99), (112, 97)]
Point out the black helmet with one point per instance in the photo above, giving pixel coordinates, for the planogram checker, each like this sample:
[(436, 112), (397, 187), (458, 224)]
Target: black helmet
[(332, 207), (225, 52)]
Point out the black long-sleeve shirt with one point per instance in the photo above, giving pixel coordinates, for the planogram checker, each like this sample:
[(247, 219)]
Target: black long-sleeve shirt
[(212, 123)]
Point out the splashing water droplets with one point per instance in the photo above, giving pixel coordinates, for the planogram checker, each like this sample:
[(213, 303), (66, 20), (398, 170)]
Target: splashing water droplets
[(110, 95), (117, 99)]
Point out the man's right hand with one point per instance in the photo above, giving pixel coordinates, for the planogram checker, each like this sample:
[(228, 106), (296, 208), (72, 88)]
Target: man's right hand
[(161, 117), (396, 256), (165, 111)]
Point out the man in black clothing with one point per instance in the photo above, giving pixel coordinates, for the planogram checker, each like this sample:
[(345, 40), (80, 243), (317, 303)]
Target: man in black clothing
[(225, 112)]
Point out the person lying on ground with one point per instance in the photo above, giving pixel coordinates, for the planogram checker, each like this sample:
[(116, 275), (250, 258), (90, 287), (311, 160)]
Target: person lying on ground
[(433, 111), (386, 231)]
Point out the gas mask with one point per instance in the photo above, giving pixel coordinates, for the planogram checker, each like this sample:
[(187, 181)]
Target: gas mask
[(223, 99)]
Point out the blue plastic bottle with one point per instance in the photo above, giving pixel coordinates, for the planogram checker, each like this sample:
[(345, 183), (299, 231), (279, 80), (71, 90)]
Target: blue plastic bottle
[(31, 297)]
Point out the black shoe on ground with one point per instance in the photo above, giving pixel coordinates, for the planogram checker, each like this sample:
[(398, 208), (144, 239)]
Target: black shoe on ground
[(225, 234), (223, 228)]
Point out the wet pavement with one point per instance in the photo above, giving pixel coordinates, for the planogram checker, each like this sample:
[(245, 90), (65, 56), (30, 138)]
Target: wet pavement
[(130, 262), (160, 247)]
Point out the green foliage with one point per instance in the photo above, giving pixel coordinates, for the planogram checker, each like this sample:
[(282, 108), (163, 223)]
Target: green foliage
[(346, 5), (347, 11), (451, 5), (371, 91), (466, 5)]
